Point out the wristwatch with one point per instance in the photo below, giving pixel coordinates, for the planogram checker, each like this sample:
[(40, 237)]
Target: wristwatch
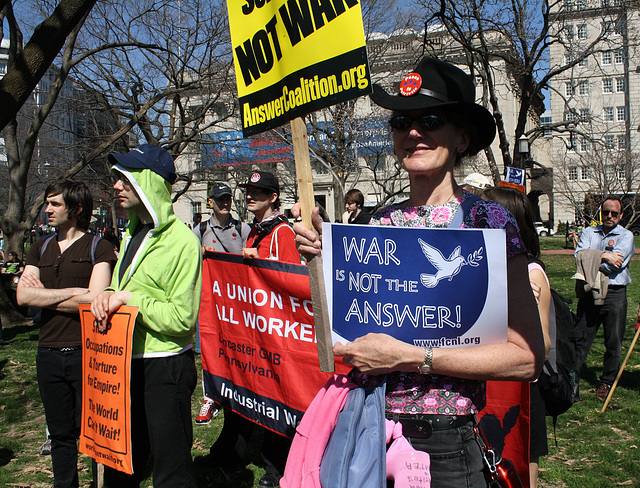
[(426, 366)]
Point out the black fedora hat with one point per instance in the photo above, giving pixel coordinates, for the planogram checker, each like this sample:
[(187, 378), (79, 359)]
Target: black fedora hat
[(435, 84)]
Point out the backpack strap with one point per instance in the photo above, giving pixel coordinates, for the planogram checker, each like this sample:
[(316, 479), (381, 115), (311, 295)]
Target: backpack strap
[(463, 210), (268, 228), (94, 245), (46, 242), (203, 228)]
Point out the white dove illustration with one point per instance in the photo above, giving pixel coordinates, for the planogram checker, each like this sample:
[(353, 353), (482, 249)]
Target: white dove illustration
[(447, 268)]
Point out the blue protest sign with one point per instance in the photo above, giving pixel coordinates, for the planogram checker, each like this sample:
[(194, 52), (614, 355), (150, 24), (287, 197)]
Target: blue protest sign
[(434, 287)]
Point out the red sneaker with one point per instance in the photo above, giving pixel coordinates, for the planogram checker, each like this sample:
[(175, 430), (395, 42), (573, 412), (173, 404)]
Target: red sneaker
[(207, 411)]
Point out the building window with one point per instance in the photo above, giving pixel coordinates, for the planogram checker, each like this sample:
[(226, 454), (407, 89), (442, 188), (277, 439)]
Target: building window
[(607, 85), (621, 173), (607, 114), (621, 85), (619, 56), (571, 116), (568, 58), (546, 121), (568, 31), (618, 27), (621, 114), (584, 61), (573, 173), (583, 87), (585, 173), (584, 145), (582, 31), (585, 115), (609, 142), (569, 89), (196, 207), (606, 57), (622, 142)]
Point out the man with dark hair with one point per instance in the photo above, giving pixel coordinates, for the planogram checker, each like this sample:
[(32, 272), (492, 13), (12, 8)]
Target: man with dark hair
[(158, 271), (606, 248), (221, 233), (62, 271), (355, 213)]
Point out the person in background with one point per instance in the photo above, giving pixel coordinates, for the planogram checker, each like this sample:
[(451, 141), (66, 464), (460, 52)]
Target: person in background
[(355, 213), (520, 207), (197, 218), (614, 246), (60, 273), (221, 233), (271, 237), (159, 271), (475, 183), (436, 123)]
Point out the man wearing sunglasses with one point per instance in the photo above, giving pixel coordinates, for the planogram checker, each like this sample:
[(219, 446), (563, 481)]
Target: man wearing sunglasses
[(610, 246)]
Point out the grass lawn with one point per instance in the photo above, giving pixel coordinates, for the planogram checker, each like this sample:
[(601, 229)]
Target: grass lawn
[(595, 450)]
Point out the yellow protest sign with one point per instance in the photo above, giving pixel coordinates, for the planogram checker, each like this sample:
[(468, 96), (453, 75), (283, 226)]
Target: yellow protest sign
[(293, 57), (105, 433)]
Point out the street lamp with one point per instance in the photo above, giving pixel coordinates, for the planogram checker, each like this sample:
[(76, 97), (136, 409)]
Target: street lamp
[(523, 144), (523, 149)]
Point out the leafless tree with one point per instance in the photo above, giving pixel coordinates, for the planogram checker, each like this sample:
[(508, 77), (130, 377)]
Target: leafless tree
[(509, 40)]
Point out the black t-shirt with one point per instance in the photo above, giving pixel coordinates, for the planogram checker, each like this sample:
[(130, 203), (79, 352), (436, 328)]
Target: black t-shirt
[(71, 268), (362, 218)]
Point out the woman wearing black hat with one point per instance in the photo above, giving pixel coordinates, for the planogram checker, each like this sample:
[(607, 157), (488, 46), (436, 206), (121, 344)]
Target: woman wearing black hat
[(436, 123)]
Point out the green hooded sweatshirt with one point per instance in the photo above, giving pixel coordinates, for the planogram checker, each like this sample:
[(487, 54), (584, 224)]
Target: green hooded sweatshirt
[(165, 275)]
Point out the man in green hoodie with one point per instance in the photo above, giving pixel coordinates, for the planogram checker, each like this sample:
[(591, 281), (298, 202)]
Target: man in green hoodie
[(159, 271)]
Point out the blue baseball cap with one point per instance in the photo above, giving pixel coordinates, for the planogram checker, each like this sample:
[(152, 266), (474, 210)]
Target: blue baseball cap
[(147, 156)]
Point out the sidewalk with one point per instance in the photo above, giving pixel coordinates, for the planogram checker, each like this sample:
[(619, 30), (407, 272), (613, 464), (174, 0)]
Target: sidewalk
[(571, 251)]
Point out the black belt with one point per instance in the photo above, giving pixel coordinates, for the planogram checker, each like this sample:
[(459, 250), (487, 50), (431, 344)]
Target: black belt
[(63, 349), (422, 425)]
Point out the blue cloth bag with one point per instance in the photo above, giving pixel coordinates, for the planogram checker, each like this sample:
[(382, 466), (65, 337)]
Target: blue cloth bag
[(355, 456)]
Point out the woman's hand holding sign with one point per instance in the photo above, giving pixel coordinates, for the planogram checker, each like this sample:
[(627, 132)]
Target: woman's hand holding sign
[(380, 354)]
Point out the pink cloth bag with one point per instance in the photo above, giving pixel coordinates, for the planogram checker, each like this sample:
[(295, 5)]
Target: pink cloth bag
[(407, 467)]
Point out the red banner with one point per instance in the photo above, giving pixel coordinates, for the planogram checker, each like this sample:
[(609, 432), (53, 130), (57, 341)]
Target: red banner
[(259, 351), (106, 401)]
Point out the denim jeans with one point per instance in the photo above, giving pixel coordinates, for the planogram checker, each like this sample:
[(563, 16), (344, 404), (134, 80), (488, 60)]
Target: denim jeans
[(161, 424), (456, 458), (60, 381), (613, 317)]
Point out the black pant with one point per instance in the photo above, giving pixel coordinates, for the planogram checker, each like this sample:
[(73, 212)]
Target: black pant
[(60, 382), (161, 425), (613, 317), (231, 446)]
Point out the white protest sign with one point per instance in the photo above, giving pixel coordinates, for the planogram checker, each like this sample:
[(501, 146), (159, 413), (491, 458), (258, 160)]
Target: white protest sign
[(428, 287)]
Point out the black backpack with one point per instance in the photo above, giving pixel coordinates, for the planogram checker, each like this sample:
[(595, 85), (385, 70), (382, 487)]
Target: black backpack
[(560, 377)]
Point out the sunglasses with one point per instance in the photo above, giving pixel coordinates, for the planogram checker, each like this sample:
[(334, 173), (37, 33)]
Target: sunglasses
[(612, 212), (427, 122)]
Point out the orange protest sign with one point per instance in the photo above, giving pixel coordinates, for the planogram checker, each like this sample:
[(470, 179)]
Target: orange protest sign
[(106, 401)]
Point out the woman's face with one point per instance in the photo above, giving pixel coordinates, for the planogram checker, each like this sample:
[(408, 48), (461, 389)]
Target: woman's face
[(428, 151)]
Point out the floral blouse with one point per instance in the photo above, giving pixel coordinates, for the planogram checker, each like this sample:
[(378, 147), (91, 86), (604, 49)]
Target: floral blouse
[(414, 393)]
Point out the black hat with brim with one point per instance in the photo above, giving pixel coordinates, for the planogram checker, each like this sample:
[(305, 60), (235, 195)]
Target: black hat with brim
[(263, 180), (435, 84)]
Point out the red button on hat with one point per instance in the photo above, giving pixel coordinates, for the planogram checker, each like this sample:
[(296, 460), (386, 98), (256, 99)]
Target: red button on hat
[(255, 177), (410, 84)]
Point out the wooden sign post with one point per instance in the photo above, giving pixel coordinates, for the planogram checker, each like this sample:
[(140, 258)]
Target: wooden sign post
[(316, 276)]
